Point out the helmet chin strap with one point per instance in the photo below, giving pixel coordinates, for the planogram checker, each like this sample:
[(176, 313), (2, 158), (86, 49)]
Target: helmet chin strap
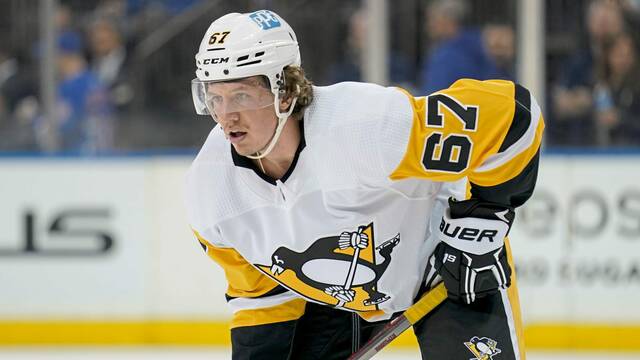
[(282, 120)]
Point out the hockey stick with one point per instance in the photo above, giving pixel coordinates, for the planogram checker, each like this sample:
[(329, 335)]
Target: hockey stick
[(393, 329)]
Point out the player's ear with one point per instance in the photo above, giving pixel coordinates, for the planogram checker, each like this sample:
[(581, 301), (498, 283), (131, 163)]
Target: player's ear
[(285, 103)]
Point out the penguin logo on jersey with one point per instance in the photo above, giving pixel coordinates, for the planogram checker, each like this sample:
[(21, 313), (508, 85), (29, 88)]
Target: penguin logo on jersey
[(483, 348), (336, 270)]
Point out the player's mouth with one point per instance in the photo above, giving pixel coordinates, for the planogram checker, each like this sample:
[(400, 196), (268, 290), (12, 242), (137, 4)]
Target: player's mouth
[(236, 136)]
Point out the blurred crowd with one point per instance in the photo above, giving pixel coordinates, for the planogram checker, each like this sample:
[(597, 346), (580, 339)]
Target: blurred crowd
[(454, 50), (596, 100), (94, 79), (123, 68)]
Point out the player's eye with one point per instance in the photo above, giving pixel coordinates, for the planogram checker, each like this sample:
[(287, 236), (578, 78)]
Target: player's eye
[(242, 98), (215, 99)]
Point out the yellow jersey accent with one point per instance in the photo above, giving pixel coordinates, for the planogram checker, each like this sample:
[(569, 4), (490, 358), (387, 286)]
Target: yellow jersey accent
[(514, 300), (291, 310), (513, 167), (243, 279), (493, 103)]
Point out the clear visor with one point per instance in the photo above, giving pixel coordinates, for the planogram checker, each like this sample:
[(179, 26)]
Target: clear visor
[(220, 98)]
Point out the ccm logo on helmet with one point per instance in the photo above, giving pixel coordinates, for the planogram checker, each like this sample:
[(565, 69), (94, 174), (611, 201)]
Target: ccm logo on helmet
[(463, 233), (215, 61)]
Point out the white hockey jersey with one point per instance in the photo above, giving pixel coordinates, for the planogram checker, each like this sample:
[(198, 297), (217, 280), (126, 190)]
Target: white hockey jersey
[(374, 163)]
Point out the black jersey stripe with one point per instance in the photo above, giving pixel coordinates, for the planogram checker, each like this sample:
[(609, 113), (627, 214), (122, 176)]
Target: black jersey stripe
[(275, 291), (521, 117), (513, 192)]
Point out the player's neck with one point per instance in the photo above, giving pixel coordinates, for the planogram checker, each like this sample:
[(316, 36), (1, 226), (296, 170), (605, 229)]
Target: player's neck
[(281, 157)]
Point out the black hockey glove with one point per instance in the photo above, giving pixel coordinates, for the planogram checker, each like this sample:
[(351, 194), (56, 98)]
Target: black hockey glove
[(471, 258)]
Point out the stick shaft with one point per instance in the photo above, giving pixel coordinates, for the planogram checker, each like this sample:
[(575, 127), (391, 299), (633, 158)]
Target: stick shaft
[(427, 302), (412, 315), (391, 331)]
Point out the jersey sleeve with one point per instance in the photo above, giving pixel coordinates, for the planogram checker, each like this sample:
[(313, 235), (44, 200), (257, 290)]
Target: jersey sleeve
[(487, 131), (253, 298)]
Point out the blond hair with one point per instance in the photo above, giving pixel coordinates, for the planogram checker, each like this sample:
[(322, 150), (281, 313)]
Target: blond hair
[(297, 85)]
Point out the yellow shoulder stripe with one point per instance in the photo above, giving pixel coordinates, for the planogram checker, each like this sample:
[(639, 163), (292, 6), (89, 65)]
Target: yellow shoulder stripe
[(513, 167), (411, 163)]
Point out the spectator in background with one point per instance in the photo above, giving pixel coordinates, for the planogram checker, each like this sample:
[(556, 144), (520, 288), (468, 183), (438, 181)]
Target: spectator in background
[(458, 52), (499, 43), (617, 93), (64, 18), (8, 71), (401, 70), (82, 121), (109, 60), (573, 98), (15, 83), (17, 103), (138, 18), (171, 7)]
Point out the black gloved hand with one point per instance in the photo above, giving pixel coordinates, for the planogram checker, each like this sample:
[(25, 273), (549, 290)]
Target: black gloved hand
[(471, 258)]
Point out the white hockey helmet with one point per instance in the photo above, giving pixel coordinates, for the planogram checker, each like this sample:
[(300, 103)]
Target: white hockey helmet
[(238, 46)]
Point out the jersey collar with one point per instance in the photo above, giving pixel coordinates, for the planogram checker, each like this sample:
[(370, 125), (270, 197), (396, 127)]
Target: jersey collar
[(245, 162)]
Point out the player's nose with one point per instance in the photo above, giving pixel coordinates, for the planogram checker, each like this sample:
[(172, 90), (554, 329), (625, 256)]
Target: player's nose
[(227, 118)]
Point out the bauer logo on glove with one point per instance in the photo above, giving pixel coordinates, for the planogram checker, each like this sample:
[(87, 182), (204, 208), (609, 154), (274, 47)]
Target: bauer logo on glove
[(471, 258)]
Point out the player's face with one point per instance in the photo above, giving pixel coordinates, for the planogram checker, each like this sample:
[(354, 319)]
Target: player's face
[(244, 110)]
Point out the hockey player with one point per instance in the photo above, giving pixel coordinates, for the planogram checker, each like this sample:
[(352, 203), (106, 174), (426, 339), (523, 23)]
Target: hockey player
[(332, 209)]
